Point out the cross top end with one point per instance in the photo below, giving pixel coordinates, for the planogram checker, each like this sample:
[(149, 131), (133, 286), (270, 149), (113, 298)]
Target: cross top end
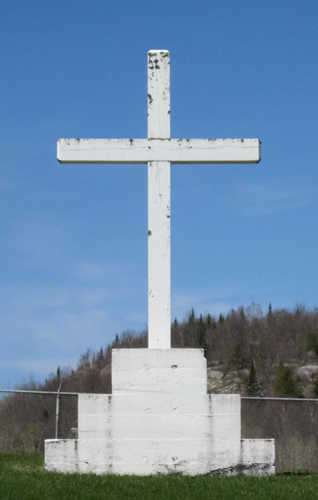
[(152, 52)]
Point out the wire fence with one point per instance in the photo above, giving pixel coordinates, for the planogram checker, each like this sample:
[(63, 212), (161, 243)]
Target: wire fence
[(293, 423), (27, 418)]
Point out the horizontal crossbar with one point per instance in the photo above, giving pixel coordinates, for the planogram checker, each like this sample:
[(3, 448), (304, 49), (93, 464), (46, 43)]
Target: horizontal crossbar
[(172, 150)]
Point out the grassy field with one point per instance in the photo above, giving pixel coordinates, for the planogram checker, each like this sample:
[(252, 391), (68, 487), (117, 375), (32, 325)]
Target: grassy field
[(22, 477)]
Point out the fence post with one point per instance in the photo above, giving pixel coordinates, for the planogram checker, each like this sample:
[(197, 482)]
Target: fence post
[(57, 412)]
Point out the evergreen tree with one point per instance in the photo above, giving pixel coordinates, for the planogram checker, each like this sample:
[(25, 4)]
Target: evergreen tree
[(201, 333), (175, 334), (252, 383), (312, 342), (237, 359), (58, 373), (208, 321), (270, 309), (192, 328), (99, 358), (192, 316), (285, 385), (221, 319), (242, 314)]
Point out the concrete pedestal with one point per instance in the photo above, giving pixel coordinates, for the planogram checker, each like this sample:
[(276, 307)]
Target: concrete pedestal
[(160, 420)]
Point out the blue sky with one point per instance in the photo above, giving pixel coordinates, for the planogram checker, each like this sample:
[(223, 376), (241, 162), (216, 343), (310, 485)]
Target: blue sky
[(73, 246)]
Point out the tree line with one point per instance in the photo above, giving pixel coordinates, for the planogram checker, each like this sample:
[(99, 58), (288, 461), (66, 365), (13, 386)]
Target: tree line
[(245, 338)]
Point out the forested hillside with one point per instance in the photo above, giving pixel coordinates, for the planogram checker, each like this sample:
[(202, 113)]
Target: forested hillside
[(248, 352)]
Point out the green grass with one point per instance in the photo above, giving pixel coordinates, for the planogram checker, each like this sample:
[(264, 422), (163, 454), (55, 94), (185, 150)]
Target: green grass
[(22, 477)]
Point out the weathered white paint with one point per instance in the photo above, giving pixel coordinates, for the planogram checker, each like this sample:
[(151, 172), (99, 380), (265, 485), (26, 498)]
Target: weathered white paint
[(186, 450), (159, 287), (159, 150), (258, 457), (156, 421), (225, 404), (158, 94), (166, 371), (61, 455), (128, 456), (154, 403), (141, 151)]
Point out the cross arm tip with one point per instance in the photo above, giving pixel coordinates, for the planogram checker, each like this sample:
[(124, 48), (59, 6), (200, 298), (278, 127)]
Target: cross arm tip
[(259, 150)]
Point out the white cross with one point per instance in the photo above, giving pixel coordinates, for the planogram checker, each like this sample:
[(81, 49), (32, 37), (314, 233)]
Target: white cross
[(159, 150)]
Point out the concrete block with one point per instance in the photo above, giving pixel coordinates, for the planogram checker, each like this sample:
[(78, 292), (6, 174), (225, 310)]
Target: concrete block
[(160, 456), (94, 404), (95, 467), (160, 404), (94, 427), (128, 456), (224, 455), (77, 456), (169, 371), (141, 450), (95, 450), (163, 468), (61, 455), (225, 436), (227, 426), (94, 416), (159, 420), (258, 457), (160, 426), (225, 404)]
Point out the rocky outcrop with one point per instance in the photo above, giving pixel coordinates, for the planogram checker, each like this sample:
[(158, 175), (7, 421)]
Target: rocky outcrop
[(306, 373), (223, 381)]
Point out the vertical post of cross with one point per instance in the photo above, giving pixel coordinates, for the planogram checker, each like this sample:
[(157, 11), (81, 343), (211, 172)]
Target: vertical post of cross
[(159, 319)]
